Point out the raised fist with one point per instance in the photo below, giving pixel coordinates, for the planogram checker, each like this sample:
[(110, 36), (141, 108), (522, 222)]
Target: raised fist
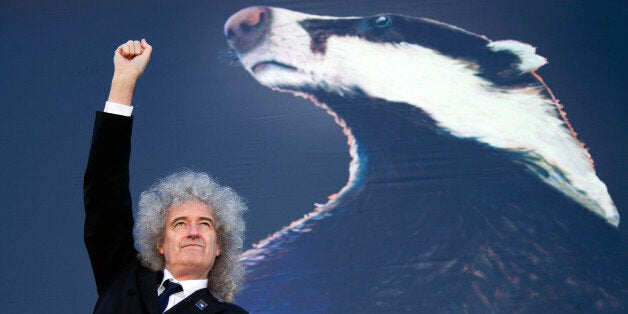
[(130, 59)]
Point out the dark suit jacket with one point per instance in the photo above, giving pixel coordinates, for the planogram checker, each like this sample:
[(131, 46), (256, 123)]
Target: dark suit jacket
[(123, 285)]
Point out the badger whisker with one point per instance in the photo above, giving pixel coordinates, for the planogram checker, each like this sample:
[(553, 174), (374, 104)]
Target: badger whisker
[(229, 56)]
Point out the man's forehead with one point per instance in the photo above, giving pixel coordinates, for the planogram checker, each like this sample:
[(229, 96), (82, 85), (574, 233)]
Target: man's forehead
[(190, 209)]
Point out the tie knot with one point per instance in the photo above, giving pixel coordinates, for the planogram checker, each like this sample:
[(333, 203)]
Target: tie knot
[(171, 287)]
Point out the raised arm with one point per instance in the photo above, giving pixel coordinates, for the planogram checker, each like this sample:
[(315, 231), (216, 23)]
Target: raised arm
[(108, 210)]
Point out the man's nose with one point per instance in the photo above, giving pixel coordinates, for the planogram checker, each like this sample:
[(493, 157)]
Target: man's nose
[(193, 231)]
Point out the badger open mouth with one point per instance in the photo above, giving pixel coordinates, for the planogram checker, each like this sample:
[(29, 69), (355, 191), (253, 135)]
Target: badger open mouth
[(261, 65)]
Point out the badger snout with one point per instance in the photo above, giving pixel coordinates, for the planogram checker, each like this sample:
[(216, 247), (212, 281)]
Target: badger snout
[(245, 29)]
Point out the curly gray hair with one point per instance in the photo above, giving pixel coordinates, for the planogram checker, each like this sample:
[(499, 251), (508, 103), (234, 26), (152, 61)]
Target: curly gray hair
[(227, 273)]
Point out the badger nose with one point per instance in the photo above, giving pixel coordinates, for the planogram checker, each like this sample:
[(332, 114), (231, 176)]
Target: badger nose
[(245, 29)]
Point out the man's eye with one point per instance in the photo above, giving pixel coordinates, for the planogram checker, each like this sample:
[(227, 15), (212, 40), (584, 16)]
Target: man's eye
[(179, 225), (205, 225)]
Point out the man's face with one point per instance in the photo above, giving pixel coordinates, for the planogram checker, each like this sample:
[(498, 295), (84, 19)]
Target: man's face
[(190, 242)]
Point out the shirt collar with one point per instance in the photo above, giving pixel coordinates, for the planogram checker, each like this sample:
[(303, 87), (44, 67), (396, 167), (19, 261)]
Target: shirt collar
[(189, 286)]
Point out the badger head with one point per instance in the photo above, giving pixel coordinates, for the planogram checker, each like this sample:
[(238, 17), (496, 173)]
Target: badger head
[(472, 87), (295, 51)]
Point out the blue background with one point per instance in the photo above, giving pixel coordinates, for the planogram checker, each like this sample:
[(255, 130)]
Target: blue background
[(194, 110)]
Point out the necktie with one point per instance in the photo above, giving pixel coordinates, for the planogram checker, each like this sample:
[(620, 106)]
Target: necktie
[(171, 288)]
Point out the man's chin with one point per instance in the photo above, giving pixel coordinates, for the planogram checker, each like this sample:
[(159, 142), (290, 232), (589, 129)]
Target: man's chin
[(193, 258)]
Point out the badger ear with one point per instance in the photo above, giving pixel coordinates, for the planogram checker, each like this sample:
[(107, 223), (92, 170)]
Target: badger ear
[(528, 59)]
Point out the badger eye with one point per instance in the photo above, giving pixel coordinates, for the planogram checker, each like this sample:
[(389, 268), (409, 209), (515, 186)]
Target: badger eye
[(382, 21)]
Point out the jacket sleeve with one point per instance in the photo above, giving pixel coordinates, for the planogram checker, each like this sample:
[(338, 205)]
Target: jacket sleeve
[(108, 232)]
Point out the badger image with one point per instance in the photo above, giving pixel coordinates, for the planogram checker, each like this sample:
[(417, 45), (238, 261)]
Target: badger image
[(468, 188)]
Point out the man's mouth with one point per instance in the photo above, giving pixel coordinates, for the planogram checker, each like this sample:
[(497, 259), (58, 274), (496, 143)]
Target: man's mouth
[(192, 245), (263, 64)]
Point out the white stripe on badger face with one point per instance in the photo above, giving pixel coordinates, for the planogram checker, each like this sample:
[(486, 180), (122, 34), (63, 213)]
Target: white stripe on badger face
[(449, 90)]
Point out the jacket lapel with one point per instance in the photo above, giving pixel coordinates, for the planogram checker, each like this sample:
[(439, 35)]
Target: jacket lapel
[(148, 282), (201, 301)]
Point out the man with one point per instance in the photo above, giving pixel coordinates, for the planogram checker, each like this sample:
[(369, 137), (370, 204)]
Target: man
[(189, 229)]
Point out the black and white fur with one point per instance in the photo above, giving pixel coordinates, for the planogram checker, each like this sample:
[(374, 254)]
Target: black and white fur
[(473, 88)]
